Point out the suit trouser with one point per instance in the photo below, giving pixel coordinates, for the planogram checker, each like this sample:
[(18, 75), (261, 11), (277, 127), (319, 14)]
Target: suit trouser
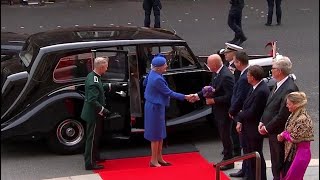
[(270, 10), (224, 126), (235, 139), (234, 21), (244, 145), (277, 155), (93, 133), (148, 6), (255, 144)]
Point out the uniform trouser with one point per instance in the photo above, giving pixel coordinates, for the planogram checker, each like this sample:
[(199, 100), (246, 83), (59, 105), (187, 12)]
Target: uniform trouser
[(234, 21), (148, 7), (255, 144), (270, 10), (221, 118), (277, 155), (93, 134)]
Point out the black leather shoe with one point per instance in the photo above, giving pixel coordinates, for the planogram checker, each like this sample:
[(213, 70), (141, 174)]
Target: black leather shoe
[(237, 174), (233, 41), (164, 164), (100, 160), (241, 40), (94, 167), (267, 24), (226, 167)]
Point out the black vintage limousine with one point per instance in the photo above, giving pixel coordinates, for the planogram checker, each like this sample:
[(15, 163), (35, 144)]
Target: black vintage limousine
[(45, 99)]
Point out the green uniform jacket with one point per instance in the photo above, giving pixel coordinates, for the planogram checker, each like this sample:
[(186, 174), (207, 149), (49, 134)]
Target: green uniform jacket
[(94, 97)]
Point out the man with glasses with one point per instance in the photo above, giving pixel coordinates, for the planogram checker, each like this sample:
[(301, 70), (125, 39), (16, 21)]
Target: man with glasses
[(276, 113)]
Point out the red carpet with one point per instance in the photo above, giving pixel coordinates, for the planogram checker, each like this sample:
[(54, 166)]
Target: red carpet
[(186, 166)]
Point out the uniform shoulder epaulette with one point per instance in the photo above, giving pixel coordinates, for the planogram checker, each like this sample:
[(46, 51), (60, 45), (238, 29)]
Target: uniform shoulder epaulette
[(95, 79)]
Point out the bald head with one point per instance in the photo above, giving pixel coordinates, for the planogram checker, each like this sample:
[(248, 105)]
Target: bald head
[(214, 62)]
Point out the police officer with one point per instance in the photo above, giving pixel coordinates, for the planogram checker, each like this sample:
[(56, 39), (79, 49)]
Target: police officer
[(234, 21), (94, 112), (148, 6)]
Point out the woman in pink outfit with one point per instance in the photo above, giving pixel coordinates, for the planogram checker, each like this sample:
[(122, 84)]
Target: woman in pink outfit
[(297, 135)]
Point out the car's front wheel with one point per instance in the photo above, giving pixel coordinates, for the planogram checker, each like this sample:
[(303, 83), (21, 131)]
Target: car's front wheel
[(68, 137)]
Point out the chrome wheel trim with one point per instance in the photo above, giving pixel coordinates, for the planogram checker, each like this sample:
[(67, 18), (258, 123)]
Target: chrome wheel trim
[(70, 132)]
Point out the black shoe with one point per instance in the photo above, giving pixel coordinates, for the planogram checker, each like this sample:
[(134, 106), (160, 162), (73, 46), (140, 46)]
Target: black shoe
[(100, 160), (226, 167), (267, 24), (279, 23), (241, 40), (237, 174), (164, 164), (94, 167), (233, 41)]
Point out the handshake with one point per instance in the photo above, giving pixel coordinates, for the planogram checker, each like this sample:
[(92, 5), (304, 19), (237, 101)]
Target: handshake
[(192, 98)]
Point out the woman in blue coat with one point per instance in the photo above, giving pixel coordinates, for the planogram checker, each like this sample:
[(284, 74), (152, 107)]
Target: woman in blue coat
[(157, 95)]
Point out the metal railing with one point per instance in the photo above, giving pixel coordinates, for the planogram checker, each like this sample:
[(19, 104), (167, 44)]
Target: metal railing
[(239, 158)]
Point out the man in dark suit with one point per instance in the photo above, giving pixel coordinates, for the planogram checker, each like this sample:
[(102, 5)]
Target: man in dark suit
[(234, 21), (230, 54), (240, 92), (249, 117), (276, 113), (222, 82)]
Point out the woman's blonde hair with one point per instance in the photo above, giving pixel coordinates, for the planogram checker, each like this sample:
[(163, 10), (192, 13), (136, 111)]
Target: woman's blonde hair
[(298, 98)]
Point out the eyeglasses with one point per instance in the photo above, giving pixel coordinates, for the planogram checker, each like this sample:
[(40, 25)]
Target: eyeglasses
[(274, 68)]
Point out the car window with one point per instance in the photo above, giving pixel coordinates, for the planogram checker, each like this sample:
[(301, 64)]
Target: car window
[(73, 67), (27, 53), (116, 67), (177, 56)]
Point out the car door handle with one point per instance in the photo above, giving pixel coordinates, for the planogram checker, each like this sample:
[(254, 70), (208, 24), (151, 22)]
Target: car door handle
[(122, 93)]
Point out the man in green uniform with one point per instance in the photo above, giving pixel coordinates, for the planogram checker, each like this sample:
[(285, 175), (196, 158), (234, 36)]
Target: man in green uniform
[(94, 112)]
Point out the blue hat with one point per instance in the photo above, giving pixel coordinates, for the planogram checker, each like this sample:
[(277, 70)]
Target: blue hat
[(158, 60)]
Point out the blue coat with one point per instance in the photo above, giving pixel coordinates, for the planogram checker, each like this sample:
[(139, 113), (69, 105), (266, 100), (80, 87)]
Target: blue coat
[(157, 90), (157, 95)]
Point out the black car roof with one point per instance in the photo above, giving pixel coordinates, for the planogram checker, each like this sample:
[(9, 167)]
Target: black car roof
[(94, 33), (11, 38)]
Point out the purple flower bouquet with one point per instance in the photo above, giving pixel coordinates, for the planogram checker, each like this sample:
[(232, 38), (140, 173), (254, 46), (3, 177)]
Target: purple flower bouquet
[(208, 91)]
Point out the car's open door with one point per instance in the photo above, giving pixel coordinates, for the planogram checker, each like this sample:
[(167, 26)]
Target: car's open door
[(118, 100)]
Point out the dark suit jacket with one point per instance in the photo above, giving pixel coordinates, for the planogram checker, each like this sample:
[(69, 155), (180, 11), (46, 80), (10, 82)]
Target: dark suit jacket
[(252, 110), (240, 91), (223, 83), (276, 113)]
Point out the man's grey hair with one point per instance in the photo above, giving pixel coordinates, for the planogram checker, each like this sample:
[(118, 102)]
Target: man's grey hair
[(284, 64), (98, 61)]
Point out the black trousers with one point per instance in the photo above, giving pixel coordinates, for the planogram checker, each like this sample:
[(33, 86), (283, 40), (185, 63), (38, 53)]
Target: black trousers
[(221, 118), (94, 132), (234, 21), (235, 139), (277, 155), (255, 143), (270, 10), (148, 6)]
